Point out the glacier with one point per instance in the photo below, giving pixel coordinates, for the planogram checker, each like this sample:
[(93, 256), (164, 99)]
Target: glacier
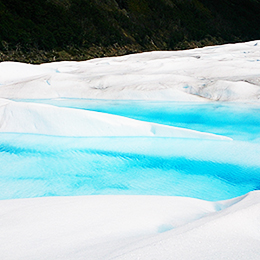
[(145, 156), (226, 73)]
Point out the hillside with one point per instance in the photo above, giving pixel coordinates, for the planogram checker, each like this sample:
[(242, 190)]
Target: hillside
[(48, 30)]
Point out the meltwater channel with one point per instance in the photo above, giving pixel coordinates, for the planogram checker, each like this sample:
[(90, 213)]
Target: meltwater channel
[(39, 165)]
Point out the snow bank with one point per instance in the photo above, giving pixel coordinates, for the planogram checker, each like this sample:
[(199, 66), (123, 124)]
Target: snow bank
[(22, 117), (233, 233), (130, 227), (227, 73)]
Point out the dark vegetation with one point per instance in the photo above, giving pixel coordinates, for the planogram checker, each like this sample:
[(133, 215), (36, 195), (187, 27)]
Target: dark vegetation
[(46, 30)]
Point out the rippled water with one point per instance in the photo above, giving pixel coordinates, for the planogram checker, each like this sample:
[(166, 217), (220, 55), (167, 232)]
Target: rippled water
[(37, 165)]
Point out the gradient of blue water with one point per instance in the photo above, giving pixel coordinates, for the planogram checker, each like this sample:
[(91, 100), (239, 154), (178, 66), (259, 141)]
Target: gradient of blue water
[(38, 165), (238, 120)]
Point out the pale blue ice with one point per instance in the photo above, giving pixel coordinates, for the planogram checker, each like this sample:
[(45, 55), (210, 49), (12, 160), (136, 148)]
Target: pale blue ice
[(38, 165)]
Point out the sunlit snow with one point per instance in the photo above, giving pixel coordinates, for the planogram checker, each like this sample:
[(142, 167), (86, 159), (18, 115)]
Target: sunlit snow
[(145, 156)]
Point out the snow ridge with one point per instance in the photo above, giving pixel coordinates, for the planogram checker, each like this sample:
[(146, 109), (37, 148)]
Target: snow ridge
[(20, 117)]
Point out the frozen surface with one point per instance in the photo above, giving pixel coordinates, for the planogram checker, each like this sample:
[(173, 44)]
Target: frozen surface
[(130, 227), (240, 121), (50, 120), (147, 126), (228, 73)]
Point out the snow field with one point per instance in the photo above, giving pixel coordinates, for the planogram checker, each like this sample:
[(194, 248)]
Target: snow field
[(210, 73), (129, 227)]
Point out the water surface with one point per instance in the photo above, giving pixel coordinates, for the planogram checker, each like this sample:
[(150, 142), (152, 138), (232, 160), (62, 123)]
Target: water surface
[(38, 165)]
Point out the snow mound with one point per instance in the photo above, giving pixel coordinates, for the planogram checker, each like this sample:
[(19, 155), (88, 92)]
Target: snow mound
[(203, 74), (130, 227), (22, 117), (232, 233)]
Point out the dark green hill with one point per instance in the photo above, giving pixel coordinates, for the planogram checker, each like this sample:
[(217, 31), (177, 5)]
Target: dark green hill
[(46, 30)]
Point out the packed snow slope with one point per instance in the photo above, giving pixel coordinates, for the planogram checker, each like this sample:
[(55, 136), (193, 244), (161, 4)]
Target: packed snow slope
[(227, 73), (130, 227), (21, 117)]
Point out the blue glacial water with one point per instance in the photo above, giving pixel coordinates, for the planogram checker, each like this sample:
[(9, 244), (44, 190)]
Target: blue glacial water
[(238, 120), (38, 165)]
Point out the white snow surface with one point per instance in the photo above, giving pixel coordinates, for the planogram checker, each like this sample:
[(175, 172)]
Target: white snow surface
[(21, 117), (130, 227), (226, 72)]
